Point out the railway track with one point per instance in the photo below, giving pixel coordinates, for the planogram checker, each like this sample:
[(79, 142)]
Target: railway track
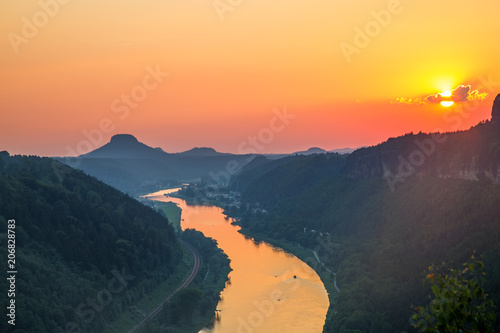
[(184, 284)]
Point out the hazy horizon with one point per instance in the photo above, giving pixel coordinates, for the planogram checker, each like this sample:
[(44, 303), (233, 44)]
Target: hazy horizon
[(217, 150)]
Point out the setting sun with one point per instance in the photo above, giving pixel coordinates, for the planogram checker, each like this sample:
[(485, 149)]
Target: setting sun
[(447, 103), (446, 94)]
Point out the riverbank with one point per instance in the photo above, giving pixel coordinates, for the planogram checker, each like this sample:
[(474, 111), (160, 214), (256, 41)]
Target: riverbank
[(261, 275), (308, 256), (173, 318), (210, 281), (172, 212)]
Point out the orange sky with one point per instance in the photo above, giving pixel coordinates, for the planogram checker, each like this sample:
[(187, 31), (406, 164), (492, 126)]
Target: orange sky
[(67, 68)]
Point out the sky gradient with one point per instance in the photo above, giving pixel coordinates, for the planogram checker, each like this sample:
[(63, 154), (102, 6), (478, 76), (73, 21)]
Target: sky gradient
[(287, 75)]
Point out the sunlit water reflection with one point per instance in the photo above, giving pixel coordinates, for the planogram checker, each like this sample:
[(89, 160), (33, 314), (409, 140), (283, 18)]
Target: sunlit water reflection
[(263, 295)]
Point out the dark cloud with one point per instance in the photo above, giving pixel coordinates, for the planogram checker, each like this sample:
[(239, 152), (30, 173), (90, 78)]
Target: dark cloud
[(437, 98), (459, 94)]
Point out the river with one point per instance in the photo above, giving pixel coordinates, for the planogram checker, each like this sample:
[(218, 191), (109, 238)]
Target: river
[(269, 290)]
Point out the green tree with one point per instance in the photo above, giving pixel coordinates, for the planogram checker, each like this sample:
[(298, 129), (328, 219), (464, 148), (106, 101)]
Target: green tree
[(188, 300), (460, 303)]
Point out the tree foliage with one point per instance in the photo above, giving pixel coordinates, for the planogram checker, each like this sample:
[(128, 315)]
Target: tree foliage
[(188, 300), (74, 236), (459, 302), (379, 239)]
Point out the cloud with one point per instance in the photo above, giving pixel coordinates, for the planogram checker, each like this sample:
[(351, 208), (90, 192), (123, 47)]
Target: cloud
[(437, 98), (460, 94), (475, 95), (411, 101)]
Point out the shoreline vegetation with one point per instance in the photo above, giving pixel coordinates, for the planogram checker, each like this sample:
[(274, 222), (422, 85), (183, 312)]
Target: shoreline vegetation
[(172, 212), (329, 254), (213, 281), (208, 284), (309, 256)]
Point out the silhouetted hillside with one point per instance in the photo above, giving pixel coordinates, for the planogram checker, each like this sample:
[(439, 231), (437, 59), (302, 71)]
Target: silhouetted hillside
[(133, 167), (129, 165), (77, 241), (310, 151), (126, 146), (201, 152), (473, 154)]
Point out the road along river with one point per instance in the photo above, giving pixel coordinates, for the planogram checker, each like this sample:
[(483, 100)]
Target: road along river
[(269, 290)]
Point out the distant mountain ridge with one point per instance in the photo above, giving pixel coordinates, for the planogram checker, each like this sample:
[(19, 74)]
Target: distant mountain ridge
[(312, 151), (130, 165), (203, 151), (125, 146)]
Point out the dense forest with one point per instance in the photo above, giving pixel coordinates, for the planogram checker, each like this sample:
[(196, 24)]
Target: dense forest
[(378, 229), (84, 250), (193, 307)]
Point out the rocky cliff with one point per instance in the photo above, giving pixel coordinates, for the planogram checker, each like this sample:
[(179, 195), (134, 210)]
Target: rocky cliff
[(473, 154)]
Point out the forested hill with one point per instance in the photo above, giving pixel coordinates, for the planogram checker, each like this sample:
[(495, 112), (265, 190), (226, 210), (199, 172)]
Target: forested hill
[(473, 155), (132, 167), (77, 241), (380, 217)]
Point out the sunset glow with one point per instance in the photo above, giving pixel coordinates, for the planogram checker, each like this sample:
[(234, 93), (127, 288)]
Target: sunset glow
[(308, 164), (184, 74)]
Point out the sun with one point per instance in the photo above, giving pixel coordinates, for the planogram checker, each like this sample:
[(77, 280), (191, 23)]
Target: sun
[(446, 103)]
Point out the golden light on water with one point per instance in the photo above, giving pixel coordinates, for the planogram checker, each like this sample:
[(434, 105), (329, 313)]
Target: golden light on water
[(270, 290)]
